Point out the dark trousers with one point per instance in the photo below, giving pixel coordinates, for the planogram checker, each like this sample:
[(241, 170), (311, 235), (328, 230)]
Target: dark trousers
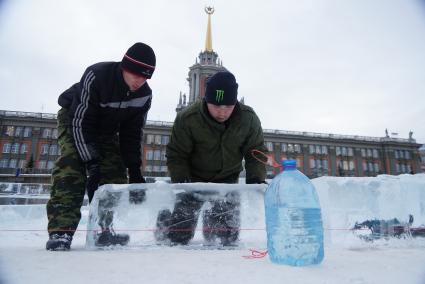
[(221, 221)]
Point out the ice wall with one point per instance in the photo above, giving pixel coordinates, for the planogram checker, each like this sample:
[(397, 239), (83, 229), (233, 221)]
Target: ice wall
[(344, 201), (139, 220), (347, 200)]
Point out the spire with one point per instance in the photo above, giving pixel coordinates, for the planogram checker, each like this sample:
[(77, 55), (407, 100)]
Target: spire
[(208, 39)]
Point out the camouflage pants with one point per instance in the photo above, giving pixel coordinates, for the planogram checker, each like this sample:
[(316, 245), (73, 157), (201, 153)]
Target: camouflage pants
[(69, 177)]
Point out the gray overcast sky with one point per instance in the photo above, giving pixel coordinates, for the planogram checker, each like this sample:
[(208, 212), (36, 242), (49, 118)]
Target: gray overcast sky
[(350, 67)]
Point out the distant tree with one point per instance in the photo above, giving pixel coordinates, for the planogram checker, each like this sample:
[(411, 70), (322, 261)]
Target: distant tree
[(30, 163)]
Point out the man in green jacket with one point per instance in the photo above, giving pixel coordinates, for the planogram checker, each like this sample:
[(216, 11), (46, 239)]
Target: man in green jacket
[(209, 140)]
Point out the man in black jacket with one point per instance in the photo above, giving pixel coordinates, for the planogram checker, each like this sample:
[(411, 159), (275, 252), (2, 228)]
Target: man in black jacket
[(100, 128)]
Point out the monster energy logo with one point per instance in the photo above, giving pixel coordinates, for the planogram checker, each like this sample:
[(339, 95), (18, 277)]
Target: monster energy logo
[(219, 95)]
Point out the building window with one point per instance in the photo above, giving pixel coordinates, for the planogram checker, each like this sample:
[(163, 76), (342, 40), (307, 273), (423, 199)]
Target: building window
[(10, 130), (324, 149), (47, 133), (365, 166), (15, 148), (148, 168), (345, 165), (27, 131), (311, 149), (55, 133), (344, 151), (284, 147), (269, 146), (312, 164), (351, 165), (297, 148), (53, 150), (318, 164), (158, 139), (18, 131), (24, 148), (291, 148), (318, 149), (149, 155), (375, 153), (396, 154), (6, 148), (4, 163), (397, 168), (338, 151), (150, 138), (369, 153), (403, 168), (22, 164), (407, 155), (50, 165), (156, 169), (376, 167), (401, 154), (44, 149), (363, 151), (163, 157), (409, 169), (13, 163), (41, 164), (350, 152), (165, 139), (164, 169), (370, 167), (325, 165), (157, 155)]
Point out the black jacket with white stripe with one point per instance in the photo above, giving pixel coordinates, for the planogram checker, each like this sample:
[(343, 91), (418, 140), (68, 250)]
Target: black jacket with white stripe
[(101, 105)]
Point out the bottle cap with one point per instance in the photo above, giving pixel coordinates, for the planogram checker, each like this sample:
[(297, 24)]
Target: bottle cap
[(289, 164)]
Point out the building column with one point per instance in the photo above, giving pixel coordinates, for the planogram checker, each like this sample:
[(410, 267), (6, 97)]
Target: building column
[(358, 161), (306, 160), (332, 156), (416, 158), (389, 161)]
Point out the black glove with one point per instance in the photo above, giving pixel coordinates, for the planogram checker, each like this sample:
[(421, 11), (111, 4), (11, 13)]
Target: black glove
[(135, 175), (255, 181), (93, 171)]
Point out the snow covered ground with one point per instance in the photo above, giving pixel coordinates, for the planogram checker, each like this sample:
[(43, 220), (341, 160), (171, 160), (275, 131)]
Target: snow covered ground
[(23, 258)]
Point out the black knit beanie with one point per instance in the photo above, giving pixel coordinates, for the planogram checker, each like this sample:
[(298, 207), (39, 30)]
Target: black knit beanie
[(139, 59), (221, 89)]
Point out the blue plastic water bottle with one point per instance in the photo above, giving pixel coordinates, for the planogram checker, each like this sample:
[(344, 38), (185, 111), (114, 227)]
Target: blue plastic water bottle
[(293, 219)]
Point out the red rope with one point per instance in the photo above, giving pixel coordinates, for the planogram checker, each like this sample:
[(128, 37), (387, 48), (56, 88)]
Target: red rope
[(173, 230), (269, 160), (255, 254)]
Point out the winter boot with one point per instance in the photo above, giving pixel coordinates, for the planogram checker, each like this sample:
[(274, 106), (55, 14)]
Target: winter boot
[(162, 226), (222, 221), (110, 238), (59, 241)]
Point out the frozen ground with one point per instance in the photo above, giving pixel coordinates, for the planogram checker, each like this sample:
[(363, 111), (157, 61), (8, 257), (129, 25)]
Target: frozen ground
[(23, 258)]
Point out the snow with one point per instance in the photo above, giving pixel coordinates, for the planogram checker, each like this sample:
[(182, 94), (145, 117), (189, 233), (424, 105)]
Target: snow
[(344, 201)]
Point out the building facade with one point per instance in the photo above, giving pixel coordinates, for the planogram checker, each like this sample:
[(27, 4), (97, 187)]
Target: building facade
[(31, 138)]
